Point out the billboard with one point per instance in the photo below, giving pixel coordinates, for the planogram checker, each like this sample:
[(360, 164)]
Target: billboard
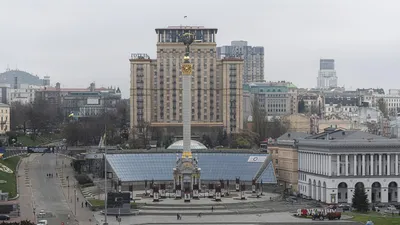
[(39, 149)]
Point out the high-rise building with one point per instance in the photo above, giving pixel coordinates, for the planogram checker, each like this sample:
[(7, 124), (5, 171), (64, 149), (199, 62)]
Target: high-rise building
[(327, 74), (216, 87), (253, 58)]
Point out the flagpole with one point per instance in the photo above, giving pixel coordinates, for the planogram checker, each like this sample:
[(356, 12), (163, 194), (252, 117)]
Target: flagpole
[(105, 175)]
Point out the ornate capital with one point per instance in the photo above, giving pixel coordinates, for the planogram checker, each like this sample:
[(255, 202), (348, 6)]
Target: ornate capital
[(187, 69)]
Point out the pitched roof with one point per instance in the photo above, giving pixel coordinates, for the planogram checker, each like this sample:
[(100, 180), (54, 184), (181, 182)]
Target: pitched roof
[(292, 135), (339, 134)]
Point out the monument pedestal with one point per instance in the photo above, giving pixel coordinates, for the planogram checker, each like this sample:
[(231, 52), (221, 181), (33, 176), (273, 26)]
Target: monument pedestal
[(156, 197), (218, 196), (196, 194), (187, 197), (178, 194)]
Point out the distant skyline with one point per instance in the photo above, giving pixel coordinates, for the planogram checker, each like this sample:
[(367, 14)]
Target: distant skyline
[(78, 42)]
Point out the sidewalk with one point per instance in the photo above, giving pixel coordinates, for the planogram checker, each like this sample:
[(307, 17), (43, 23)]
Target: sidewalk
[(25, 192), (83, 215)]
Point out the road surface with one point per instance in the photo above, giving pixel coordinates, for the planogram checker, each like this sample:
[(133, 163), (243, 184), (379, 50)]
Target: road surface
[(46, 192)]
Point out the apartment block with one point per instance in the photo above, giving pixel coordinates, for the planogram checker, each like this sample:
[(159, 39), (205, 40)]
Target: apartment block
[(156, 84)]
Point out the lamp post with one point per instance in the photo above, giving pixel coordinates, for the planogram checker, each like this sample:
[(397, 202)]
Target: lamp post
[(67, 185), (75, 193), (105, 179)]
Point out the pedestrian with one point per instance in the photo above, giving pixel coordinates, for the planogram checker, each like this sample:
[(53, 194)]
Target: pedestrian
[(177, 216), (212, 208), (77, 199), (180, 217), (199, 215), (86, 204)]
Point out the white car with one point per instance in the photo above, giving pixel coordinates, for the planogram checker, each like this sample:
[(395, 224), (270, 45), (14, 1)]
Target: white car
[(42, 222)]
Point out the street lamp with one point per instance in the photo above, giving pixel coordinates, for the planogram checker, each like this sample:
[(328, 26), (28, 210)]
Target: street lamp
[(75, 197), (68, 185)]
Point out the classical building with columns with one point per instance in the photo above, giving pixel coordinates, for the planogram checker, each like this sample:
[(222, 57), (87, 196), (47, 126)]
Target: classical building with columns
[(333, 163)]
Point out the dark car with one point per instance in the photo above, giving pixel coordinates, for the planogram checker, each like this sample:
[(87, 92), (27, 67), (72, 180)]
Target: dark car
[(4, 217)]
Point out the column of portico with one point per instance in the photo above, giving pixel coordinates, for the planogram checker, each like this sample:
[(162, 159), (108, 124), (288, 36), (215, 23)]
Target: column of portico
[(326, 164), (338, 165), (372, 164), (363, 164), (329, 166), (380, 164), (396, 166), (346, 166), (388, 164), (355, 164)]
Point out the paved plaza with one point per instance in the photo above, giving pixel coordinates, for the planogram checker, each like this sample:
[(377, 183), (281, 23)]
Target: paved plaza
[(51, 195), (268, 218)]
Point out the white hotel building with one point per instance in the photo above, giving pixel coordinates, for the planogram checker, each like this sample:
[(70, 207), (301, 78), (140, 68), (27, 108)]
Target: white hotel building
[(333, 163)]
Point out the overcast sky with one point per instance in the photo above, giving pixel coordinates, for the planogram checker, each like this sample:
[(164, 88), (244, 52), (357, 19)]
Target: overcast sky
[(80, 41)]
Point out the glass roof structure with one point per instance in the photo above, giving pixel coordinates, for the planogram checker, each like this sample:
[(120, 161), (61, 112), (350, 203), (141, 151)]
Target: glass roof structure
[(195, 145), (214, 166)]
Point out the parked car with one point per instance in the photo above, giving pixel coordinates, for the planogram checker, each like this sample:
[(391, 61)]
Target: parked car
[(4, 217), (334, 215)]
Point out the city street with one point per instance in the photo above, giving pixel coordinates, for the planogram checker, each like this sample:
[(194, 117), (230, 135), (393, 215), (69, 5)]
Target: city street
[(46, 193)]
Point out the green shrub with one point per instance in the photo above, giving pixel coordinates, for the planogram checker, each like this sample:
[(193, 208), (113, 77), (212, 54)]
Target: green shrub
[(87, 185), (83, 179)]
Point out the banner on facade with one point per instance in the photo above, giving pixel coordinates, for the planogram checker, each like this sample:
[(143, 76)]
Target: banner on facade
[(94, 156), (257, 159)]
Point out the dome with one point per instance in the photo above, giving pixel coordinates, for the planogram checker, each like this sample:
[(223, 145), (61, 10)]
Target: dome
[(194, 145)]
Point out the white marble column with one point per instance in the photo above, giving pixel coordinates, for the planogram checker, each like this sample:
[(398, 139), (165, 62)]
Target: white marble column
[(388, 164), (346, 167), (355, 164), (396, 167), (372, 164), (380, 164), (326, 164), (329, 165), (338, 165), (363, 164), (315, 163)]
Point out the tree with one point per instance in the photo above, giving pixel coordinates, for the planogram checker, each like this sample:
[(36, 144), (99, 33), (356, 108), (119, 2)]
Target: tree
[(301, 106), (259, 118), (360, 199), (276, 127), (206, 140), (18, 116), (143, 133), (383, 107)]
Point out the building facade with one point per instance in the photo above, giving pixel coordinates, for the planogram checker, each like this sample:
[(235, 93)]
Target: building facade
[(81, 102), (285, 159), (334, 163), (253, 57), (327, 74), (276, 98), (5, 118), (156, 84)]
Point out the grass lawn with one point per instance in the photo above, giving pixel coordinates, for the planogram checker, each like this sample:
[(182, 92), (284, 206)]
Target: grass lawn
[(27, 141), (100, 203), (96, 202), (11, 185), (377, 218)]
